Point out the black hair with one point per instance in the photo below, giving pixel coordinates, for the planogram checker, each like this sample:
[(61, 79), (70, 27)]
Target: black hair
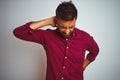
[(66, 11)]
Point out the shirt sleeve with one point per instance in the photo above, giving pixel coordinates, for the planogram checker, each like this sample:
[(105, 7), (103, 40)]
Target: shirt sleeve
[(24, 32), (92, 48)]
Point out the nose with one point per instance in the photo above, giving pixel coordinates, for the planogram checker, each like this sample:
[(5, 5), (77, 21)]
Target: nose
[(67, 31)]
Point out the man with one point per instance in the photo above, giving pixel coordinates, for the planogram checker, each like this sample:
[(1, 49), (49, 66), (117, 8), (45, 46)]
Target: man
[(65, 46)]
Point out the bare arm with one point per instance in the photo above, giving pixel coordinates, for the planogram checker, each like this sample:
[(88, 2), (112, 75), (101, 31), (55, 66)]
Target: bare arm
[(39, 24)]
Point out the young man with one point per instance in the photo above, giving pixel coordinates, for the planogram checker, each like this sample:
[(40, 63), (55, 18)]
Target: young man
[(65, 46)]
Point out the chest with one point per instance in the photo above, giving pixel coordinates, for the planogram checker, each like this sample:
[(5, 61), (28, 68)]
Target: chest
[(72, 45)]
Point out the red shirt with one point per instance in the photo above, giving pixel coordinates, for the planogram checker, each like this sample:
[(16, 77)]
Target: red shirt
[(65, 57)]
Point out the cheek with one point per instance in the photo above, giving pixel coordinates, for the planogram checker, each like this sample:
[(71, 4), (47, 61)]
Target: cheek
[(61, 30)]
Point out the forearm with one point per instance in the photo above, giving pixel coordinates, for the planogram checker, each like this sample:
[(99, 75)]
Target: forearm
[(39, 24)]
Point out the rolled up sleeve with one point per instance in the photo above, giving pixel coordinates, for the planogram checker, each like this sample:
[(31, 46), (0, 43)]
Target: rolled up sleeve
[(93, 49), (24, 32)]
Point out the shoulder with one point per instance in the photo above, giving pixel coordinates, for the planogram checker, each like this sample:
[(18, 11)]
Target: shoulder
[(85, 36), (81, 33), (47, 32), (50, 31)]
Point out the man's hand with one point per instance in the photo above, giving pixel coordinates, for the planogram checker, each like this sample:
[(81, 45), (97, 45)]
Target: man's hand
[(86, 63), (52, 21)]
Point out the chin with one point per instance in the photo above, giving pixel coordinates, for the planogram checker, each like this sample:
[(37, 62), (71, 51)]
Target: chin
[(67, 36)]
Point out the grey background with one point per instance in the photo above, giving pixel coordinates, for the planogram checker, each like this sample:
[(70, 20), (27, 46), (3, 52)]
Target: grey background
[(22, 60)]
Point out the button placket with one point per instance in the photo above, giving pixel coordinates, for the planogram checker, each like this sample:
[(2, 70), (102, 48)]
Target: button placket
[(65, 59)]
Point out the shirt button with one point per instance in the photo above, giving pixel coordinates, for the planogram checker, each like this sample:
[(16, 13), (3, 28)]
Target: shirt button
[(67, 47), (64, 67), (66, 57), (30, 31), (62, 78), (73, 34), (66, 39)]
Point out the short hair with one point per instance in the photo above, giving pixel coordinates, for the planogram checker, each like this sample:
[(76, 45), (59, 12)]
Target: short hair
[(66, 11)]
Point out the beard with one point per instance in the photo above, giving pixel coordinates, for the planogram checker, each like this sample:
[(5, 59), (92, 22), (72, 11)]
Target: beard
[(64, 35)]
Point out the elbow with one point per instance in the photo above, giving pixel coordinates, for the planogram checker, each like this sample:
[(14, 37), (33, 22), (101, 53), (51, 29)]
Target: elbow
[(15, 32), (18, 33)]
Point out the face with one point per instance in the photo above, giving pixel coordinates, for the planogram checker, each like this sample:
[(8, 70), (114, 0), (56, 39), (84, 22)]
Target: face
[(66, 28)]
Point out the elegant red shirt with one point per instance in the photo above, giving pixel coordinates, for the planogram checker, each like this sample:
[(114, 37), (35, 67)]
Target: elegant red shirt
[(65, 57)]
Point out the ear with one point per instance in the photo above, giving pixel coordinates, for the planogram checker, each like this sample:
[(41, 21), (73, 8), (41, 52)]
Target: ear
[(55, 21)]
